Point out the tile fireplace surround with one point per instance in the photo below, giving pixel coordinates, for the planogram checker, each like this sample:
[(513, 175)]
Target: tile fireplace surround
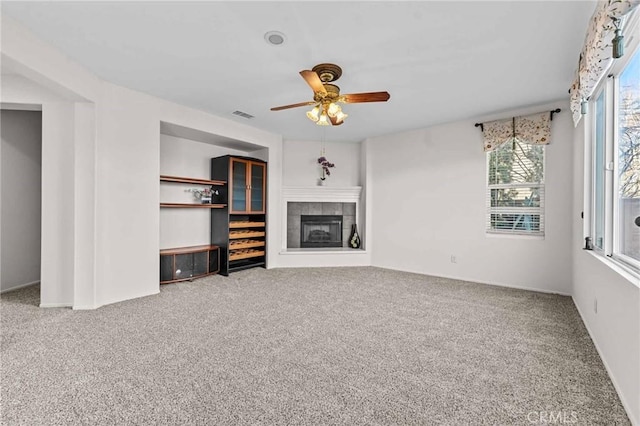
[(296, 208), (341, 201)]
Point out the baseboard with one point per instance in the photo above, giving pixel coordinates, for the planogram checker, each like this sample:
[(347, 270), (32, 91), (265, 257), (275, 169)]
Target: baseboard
[(625, 403), (85, 307), (18, 287), (537, 290), (56, 305)]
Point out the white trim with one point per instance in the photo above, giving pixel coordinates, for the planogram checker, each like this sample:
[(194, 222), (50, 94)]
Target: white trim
[(625, 404), (323, 250), (514, 235), (85, 307), (472, 281), (620, 268), (19, 286), (322, 194), (20, 107), (55, 305)]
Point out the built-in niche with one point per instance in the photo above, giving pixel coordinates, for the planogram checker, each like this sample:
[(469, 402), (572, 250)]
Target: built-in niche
[(187, 152), (185, 229)]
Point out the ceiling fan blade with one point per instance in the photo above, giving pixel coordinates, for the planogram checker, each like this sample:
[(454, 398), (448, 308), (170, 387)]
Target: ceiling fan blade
[(313, 81), (280, 108), (366, 97)]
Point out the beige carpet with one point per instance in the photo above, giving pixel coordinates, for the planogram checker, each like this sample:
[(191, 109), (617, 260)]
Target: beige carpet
[(305, 346)]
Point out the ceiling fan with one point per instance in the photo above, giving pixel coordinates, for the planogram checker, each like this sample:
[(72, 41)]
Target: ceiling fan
[(326, 96)]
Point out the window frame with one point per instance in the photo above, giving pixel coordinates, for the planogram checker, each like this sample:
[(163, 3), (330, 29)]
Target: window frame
[(610, 86), (507, 210)]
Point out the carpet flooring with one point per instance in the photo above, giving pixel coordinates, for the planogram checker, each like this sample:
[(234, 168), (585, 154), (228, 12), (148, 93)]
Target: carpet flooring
[(343, 346)]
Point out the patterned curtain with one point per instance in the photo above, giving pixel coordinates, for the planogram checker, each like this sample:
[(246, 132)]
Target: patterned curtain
[(534, 129), (596, 56)]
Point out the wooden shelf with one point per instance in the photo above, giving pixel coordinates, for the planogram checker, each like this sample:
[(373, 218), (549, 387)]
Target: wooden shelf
[(191, 249), (240, 224), (194, 206), (241, 244), (195, 181), (233, 235), (245, 254)]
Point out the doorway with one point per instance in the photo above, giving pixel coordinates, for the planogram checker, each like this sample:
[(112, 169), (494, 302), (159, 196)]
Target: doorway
[(20, 198)]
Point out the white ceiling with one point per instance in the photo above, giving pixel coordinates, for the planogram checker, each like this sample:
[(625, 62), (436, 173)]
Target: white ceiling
[(440, 61)]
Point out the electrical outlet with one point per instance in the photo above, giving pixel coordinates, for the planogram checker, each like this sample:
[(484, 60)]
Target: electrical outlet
[(595, 306), (453, 259)]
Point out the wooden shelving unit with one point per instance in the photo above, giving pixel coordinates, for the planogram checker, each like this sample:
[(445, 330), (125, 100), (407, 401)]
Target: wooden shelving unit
[(245, 233), (240, 228), (243, 244), (244, 254), (187, 263), (243, 224), (194, 181)]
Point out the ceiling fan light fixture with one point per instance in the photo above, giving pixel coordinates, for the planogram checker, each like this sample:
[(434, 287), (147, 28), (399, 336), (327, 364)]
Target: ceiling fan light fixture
[(340, 116), (314, 113), (323, 120), (333, 109)]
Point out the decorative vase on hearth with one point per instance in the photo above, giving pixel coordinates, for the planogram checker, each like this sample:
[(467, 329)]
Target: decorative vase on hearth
[(354, 238)]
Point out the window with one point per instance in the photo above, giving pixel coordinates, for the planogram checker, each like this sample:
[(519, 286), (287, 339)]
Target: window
[(615, 170), (627, 194), (599, 171), (515, 189)]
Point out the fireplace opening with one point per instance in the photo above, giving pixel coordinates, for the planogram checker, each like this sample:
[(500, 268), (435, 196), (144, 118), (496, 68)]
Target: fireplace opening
[(320, 231)]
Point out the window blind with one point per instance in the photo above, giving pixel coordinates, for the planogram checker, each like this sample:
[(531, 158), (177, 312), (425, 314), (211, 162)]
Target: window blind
[(515, 189)]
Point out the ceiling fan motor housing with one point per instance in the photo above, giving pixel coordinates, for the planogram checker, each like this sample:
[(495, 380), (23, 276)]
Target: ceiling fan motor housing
[(327, 72), (332, 94)]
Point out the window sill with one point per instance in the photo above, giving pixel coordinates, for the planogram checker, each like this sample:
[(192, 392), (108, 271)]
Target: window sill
[(621, 269), (514, 235)]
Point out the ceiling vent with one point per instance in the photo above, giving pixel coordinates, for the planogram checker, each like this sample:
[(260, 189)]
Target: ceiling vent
[(242, 114)]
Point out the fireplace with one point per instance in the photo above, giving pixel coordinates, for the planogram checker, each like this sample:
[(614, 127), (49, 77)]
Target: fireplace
[(320, 231)]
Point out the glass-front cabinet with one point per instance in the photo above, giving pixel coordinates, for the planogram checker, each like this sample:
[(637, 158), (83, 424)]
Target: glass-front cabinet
[(240, 227), (247, 186)]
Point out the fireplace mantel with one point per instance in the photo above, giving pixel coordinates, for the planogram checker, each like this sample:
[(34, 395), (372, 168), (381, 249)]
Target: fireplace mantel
[(322, 194)]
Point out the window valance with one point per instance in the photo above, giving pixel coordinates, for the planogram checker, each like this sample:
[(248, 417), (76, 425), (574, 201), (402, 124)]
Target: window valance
[(534, 129), (596, 55)]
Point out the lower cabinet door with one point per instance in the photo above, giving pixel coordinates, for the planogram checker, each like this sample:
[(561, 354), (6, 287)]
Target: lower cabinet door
[(187, 263)]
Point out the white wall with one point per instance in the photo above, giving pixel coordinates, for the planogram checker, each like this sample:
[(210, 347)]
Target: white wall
[(301, 163), (58, 201), (187, 158), (68, 135), (300, 169), (116, 248), (615, 327), (21, 165), (429, 197)]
